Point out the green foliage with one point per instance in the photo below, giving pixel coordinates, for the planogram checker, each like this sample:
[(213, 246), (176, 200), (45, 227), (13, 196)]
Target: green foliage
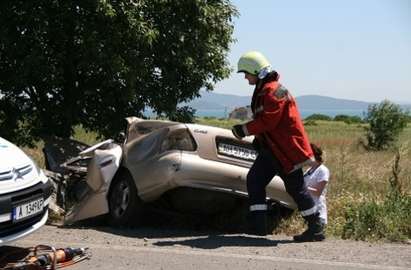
[(94, 62), (318, 116), (348, 119), (386, 121), (390, 220)]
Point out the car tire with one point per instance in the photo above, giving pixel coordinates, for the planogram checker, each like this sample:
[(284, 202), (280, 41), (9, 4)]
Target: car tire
[(125, 207)]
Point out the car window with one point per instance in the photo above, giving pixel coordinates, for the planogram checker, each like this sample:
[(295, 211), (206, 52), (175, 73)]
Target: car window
[(179, 139), (147, 146)]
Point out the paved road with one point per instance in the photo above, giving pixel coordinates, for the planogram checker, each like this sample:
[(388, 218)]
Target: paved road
[(173, 249)]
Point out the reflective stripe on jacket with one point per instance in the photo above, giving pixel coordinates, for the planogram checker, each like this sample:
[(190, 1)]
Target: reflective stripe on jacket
[(278, 125)]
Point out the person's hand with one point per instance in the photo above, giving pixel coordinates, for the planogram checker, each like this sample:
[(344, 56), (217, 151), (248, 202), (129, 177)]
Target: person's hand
[(238, 131)]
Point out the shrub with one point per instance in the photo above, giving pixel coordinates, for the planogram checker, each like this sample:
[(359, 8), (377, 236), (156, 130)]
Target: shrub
[(348, 119), (389, 220), (318, 116), (386, 121)]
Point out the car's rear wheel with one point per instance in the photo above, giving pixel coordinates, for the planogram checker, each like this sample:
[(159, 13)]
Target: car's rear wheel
[(124, 204)]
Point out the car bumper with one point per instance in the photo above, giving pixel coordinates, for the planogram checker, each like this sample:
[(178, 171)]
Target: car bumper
[(26, 231), (12, 230)]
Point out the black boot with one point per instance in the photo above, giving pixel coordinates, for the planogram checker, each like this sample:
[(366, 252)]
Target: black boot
[(314, 232), (257, 223)]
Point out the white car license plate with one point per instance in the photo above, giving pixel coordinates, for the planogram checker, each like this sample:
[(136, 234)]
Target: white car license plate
[(28, 209), (237, 151)]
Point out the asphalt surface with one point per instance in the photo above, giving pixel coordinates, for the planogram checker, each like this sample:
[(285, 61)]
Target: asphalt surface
[(159, 248)]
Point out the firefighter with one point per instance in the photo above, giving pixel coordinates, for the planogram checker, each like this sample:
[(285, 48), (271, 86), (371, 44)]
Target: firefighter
[(282, 144)]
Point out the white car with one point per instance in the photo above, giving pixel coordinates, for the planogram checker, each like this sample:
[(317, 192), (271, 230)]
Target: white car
[(24, 194)]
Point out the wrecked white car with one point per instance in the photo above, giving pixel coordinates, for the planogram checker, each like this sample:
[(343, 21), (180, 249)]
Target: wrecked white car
[(192, 165)]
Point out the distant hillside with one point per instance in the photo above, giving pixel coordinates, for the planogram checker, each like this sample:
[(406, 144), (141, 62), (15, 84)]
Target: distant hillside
[(315, 102), (220, 105), (215, 101)]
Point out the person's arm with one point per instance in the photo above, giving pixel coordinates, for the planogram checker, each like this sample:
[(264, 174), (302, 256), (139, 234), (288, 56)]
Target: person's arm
[(317, 188), (268, 117), (274, 104)]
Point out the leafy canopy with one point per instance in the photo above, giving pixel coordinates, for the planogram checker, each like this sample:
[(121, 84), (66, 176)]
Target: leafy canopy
[(94, 62)]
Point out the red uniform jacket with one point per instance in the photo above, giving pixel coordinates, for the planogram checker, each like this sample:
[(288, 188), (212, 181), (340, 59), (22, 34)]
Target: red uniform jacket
[(277, 124)]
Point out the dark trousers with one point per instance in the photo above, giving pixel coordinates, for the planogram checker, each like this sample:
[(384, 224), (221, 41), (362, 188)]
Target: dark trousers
[(265, 167)]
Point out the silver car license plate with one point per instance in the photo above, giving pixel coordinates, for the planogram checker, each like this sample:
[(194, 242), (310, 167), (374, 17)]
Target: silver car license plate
[(28, 209), (237, 151)]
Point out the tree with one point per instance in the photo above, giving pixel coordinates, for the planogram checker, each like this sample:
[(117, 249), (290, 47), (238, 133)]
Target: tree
[(386, 121), (94, 62)]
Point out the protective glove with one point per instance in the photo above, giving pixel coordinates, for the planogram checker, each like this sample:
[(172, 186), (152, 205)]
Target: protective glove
[(238, 131)]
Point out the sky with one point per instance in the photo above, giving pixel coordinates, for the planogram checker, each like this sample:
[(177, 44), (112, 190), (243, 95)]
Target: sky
[(359, 50)]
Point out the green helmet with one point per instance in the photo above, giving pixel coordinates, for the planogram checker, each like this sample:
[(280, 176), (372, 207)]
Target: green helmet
[(252, 62)]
